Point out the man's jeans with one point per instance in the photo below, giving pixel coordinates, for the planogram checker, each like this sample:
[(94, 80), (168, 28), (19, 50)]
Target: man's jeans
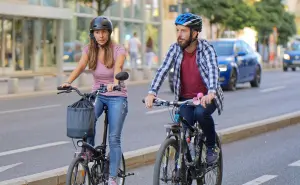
[(117, 111), (204, 118), (133, 59)]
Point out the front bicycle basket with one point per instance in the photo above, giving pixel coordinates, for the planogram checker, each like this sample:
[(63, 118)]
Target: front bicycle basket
[(80, 119)]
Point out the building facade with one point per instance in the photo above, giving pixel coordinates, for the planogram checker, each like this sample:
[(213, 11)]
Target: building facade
[(40, 36)]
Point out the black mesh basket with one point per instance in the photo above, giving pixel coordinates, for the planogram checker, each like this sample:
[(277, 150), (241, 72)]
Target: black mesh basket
[(80, 119)]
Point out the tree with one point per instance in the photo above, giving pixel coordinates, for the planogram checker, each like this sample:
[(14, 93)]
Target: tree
[(287, 28), (216, 11), (243, 15), (102, 5), (270, 12)]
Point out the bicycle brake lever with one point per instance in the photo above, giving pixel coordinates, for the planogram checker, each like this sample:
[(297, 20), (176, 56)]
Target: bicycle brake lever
[(67, 91)]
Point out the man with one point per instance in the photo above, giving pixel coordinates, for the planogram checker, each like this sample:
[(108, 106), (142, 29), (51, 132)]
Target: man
[(195, 71), (134, 46)]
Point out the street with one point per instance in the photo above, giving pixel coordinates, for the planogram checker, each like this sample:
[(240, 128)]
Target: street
[(33, 129), (268, 159)]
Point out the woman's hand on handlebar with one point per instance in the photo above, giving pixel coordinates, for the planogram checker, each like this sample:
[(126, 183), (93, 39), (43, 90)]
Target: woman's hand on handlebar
[(65, 84), (110, 87)]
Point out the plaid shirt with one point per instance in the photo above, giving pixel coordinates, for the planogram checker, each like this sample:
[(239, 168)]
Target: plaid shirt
[(206, 59)]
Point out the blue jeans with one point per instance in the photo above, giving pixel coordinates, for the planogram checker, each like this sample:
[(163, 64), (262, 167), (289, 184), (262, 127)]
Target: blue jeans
[(204, 118), (117, 111)]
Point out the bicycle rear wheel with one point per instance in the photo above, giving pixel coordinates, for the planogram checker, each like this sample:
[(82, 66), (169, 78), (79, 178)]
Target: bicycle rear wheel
[(215, 169), (78, 169)]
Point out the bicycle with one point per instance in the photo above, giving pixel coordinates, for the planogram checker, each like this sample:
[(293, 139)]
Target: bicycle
[(190, 158), (94, 161)]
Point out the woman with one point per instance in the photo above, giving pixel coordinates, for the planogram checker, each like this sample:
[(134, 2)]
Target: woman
[(105, 59), (149, 52)]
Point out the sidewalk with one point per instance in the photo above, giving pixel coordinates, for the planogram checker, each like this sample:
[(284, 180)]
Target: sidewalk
[(26, 85), (26, 81)]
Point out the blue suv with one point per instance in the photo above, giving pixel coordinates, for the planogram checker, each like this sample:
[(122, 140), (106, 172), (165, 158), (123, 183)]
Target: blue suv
[(238, 63), (291, 58)]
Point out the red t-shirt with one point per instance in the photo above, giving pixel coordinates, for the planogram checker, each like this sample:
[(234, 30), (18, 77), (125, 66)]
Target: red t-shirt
[(191, 80)]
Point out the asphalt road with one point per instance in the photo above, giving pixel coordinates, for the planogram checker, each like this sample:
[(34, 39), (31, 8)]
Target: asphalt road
[(33, 130), (268, 159)]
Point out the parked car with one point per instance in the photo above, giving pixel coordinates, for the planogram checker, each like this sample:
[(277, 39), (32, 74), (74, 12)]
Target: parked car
[(238, 63), (72, 51), (291, 57)]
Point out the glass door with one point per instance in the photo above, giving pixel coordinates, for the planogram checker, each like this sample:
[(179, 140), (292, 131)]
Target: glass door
[(6, 45), (19, 45), (1, 46), (28, 43)]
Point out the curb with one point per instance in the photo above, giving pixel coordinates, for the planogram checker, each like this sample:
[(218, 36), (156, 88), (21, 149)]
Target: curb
[(41, 93), (147, 155)]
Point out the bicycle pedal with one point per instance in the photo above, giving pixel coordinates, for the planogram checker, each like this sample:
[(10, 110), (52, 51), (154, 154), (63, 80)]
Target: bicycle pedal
[(129, 174)]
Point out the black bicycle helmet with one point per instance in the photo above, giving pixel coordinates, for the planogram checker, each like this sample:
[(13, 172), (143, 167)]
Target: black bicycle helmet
[(101, 23), (190, 20)]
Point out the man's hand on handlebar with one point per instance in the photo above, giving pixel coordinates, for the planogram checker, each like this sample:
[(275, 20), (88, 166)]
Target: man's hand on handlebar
[(149, 100)]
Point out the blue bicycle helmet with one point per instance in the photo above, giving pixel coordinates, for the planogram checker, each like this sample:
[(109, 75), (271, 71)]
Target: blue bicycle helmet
[(190, 20)]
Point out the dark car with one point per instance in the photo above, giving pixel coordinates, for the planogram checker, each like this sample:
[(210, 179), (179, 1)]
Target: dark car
[(291, 57), (238, 63)]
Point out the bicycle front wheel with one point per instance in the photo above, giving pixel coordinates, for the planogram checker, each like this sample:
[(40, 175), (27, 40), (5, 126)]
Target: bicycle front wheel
[(167, 156), (78, 172)]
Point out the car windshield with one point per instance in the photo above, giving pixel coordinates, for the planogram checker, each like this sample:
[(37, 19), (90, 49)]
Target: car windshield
[(296, 46), (223, 48)]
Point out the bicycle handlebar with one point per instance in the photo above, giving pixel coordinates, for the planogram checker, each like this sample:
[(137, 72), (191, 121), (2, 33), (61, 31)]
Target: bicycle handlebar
[(162, 102), (102, 89)]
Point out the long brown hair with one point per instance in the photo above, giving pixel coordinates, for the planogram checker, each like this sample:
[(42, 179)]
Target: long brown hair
[(94, 50)]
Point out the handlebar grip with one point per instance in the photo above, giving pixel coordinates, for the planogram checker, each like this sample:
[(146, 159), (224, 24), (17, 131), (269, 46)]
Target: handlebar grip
[(117, 88), (154, 101), (64, 88)]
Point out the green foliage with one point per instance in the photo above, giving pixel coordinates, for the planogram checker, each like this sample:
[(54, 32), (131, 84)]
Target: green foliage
[(242, 16), (262, 15), (102, 5), (287, 29)]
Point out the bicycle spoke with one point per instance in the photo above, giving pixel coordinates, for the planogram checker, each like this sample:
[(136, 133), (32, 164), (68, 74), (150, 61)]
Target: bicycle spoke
[(79, 174), (168, 173)]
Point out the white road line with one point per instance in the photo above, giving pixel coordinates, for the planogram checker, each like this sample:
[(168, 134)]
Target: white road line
[(28, 109), (33, 148), (272, 89), (157, 111), (4, 168), (261, 180), (297, 163)]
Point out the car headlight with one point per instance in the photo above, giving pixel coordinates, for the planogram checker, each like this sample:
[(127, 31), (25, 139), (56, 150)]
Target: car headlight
[(66, 57), (286, 57), (223, 67)]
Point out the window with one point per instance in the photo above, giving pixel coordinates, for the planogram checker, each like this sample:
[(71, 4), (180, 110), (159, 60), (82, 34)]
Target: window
[(223, 48)]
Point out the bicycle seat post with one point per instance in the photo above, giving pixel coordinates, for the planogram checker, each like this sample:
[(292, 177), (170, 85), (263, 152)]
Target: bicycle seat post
[(105, 126)]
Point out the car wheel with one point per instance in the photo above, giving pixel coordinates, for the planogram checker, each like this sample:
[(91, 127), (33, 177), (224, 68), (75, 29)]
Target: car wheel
[(293, 69), (285, 68), (256, 81), (232, 81)]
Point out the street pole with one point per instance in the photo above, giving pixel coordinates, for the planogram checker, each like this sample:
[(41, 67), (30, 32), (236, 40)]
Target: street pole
[(179, 5)]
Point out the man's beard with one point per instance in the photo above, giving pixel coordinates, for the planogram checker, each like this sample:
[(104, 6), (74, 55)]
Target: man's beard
[(183, 44)]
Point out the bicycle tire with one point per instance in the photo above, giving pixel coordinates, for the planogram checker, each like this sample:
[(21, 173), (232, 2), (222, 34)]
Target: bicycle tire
[(159, 156), (73, 164), (220, 166)]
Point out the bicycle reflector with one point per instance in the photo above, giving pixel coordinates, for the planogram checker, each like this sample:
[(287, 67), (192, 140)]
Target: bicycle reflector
[(79, 143)]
